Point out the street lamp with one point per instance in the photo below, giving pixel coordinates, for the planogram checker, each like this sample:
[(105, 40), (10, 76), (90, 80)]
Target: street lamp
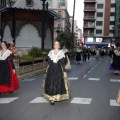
[(43, 24), (73, 20)]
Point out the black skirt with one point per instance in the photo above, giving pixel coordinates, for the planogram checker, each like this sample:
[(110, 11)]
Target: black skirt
[(5, 73), (55, 87)]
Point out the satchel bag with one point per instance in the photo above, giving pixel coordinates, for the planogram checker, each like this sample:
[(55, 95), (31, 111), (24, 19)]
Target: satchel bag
[(68, 66), (118, 98)]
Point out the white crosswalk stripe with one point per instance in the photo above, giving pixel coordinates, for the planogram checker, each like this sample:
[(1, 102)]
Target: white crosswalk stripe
[(7, 100), (72, 78), (39, 100), (29, 80), (94, 79), (114, 80), (113, 103), (81, 101)]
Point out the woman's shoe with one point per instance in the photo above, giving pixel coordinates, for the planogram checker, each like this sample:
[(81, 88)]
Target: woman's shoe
[(52, 102)]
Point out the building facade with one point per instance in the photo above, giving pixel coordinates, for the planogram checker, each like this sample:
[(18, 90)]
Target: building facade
[(60, 7), (99, 20), (117, 22), (22, 24)]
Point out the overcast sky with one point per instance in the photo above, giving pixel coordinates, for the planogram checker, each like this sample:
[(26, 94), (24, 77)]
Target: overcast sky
[(78, 12)]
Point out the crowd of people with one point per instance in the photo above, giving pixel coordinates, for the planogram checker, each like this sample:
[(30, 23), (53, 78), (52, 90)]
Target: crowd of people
[(55, 84)]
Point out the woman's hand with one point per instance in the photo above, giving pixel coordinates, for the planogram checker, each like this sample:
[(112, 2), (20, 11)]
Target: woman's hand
[(14, 70), (65, 75)]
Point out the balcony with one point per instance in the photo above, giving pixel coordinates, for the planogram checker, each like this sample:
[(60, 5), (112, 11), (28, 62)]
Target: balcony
[(89, 9), (90, 1), (88, 34), (91, 18), (89, 26)]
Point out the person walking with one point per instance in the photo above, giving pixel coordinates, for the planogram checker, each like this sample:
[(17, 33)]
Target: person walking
[(84, 54), (115, 65), (78, 55), (8, 78), (55, 85), (88, 54), (67, 61)]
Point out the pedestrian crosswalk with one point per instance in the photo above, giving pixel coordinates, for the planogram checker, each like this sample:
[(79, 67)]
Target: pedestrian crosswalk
[(41, 100), (115, 80), (86, 101), (74, 100), (113, 103), (72, 78), (7, 100), (94, 79)]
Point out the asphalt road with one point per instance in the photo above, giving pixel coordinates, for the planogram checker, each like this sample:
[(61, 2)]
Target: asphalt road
[(93, 92)]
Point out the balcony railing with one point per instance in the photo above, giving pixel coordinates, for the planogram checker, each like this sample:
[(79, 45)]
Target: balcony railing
[(89, 26), (88, 34), (89, 9), (89, 0), (89, 17)]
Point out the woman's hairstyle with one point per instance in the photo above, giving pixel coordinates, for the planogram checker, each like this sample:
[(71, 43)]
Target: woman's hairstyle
[(56, 41), (5, 43), (8, 45)]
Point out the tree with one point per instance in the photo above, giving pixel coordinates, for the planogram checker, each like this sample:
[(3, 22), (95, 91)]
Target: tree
[(65, 38)]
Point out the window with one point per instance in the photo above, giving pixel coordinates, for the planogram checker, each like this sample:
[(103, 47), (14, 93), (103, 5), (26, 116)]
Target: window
[(113, 5), (99, 6), (62, 4), (112, 14), (99, 14), (112, 22), (29, 3), (60, 13), (111, 31), (3, 3), (99, 23), (98, 31)]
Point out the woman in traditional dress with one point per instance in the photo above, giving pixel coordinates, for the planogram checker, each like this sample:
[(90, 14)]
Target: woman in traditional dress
[(67, 61), (116, 61), (88, 54), (78, 55), (84, 55), (56, 86), (12, 49), (8, 78)]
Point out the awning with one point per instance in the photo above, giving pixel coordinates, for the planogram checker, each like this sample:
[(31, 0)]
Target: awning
[(98, 45), (56, 15)]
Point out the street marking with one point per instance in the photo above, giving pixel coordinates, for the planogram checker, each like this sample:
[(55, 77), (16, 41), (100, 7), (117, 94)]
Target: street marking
[(94, 66), (7, 100), (113, 103), (94, 79), (72, 78), (86, 101), (90, 71), (84, 76), (28, 80), (114, 80), (39, 100)]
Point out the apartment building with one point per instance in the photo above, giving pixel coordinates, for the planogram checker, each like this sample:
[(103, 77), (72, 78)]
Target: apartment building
[(117, 23), (99, 20), (60, 6)]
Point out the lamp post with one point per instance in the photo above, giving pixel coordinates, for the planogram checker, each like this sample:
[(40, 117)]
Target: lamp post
[(43, 24), (73, 20)]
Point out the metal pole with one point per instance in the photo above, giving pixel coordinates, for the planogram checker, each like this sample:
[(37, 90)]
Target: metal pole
[(43, 24), (73, 21)]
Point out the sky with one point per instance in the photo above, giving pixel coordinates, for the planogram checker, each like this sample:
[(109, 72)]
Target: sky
[(78, 11)]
